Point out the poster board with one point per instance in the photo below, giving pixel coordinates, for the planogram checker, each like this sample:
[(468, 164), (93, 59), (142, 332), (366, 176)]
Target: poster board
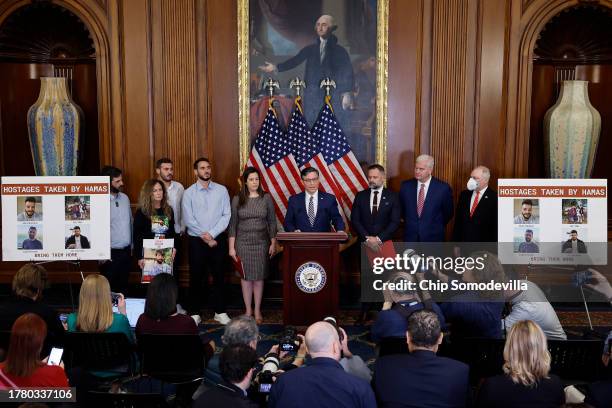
[(553, 221), (55, 218)]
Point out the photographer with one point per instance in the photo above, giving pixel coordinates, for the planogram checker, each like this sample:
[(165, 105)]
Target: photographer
[(351, 363), (237, 364), (324, 382)]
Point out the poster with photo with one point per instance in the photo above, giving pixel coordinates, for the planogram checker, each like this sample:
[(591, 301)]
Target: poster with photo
[(157, 258), (55, 218), (553, 221)]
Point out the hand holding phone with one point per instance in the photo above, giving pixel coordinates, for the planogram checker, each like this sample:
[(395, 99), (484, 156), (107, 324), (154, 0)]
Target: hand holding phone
[(55, 358)]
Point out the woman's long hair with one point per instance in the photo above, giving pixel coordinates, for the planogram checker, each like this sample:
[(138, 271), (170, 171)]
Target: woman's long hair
[(161, 297), (145, 200), (526, 355), (95, 312), (243, 195), (27, 338)]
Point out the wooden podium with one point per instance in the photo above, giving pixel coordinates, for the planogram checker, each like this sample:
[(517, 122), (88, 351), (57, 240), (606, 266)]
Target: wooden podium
[(310, 275)]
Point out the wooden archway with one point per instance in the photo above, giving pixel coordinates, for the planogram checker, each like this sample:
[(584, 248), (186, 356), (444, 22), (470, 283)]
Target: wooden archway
[(528, 20), (106, 43)]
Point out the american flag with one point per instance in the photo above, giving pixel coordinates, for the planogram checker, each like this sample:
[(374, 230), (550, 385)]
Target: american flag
[(339, 157), (271, 155), (307, 154)]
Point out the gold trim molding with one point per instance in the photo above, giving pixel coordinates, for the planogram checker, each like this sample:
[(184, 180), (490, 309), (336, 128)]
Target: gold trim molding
[(382, 74)]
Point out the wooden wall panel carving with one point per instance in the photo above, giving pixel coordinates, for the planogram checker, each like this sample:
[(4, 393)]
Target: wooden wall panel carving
[(174, 79), (452, 89)]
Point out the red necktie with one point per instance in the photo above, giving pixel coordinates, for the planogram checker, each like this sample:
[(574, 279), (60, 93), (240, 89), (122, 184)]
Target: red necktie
[(474, 204), (421, 200)]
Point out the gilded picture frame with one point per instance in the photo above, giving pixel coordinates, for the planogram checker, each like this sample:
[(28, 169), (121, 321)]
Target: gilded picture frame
[(374, 149)]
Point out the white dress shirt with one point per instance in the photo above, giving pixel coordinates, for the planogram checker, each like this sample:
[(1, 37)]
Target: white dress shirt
[(315, 201), (380, 190), (474, 197), (77, 242), (322, 48), (175, 196), (426, 189)]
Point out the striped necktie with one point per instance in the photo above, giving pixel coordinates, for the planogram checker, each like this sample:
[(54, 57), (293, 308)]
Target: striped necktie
[(311, 211)]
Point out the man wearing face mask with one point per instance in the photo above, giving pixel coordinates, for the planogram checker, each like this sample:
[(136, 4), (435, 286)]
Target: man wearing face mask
[(476, 214)]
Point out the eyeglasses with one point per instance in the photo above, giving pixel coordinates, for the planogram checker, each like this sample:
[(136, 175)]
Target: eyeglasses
[(310, 180)]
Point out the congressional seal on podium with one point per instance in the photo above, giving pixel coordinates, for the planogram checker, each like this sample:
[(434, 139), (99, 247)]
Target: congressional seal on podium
[(310, 277)]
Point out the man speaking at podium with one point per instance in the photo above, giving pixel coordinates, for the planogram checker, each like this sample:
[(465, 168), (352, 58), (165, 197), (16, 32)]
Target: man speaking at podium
[(312, 210)]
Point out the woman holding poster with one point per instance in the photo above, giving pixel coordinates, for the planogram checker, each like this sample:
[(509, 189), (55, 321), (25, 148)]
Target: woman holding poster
[(154, 218)]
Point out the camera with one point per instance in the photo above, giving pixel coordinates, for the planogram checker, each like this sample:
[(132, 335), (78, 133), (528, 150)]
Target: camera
[(265, 378), (115, 298), (289, 340), (582, 277), (332, 320)]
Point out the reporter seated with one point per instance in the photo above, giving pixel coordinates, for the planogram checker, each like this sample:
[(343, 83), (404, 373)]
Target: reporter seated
[(323, 382), (95, 313), (421, 379), (237, 364), (477, 313), (28, 285), (392, 321), (23, 367), (526, 382), (160, 314)]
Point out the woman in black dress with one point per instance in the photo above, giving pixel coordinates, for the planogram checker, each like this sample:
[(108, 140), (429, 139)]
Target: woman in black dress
[(154, 217)]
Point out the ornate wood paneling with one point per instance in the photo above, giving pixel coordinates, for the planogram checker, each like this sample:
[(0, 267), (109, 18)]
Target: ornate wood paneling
[(452, 89), (174, 79)]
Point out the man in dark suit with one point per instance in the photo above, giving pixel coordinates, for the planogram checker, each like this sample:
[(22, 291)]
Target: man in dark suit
[(312, 210), (324, 58), (76, 240), (323, 383), (476, 215), (574, 245), (375, 216), (376, 211), (421, 379), (237, 363), (427, 204)]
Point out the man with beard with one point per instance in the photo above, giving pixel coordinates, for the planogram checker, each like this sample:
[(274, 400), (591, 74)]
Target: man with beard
[(528, 247), (77, 241), (160, 266), (31, 242), (526, 216), (29, 212), (165, 173), (117, 269), (375, 216), (206, 215)]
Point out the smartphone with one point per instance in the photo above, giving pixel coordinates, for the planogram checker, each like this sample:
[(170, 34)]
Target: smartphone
[(55, 357), (63, 317), (115, 298)]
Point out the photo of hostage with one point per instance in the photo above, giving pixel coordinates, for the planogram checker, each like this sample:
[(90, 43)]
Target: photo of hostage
[(76, 240)]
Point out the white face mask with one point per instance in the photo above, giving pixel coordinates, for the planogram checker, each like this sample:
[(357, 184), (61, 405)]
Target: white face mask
[(472, 184)]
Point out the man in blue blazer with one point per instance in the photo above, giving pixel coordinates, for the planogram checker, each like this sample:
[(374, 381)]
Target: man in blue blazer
[(421, 378), (427, 204), (312, 210)]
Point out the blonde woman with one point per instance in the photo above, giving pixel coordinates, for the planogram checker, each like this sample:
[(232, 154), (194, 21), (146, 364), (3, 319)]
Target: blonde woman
[(526, 381), (95, 313)]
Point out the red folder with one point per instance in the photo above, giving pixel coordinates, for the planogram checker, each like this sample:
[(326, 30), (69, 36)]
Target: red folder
[(387, 250), (238, 266)]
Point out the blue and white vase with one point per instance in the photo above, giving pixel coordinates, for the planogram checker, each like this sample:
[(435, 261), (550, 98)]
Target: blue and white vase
[(571, 132), (54, 125)]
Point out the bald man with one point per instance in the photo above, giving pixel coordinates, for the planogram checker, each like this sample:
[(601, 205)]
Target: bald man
[(427, 204), (476, 214), (324, 58), (323, 383)]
